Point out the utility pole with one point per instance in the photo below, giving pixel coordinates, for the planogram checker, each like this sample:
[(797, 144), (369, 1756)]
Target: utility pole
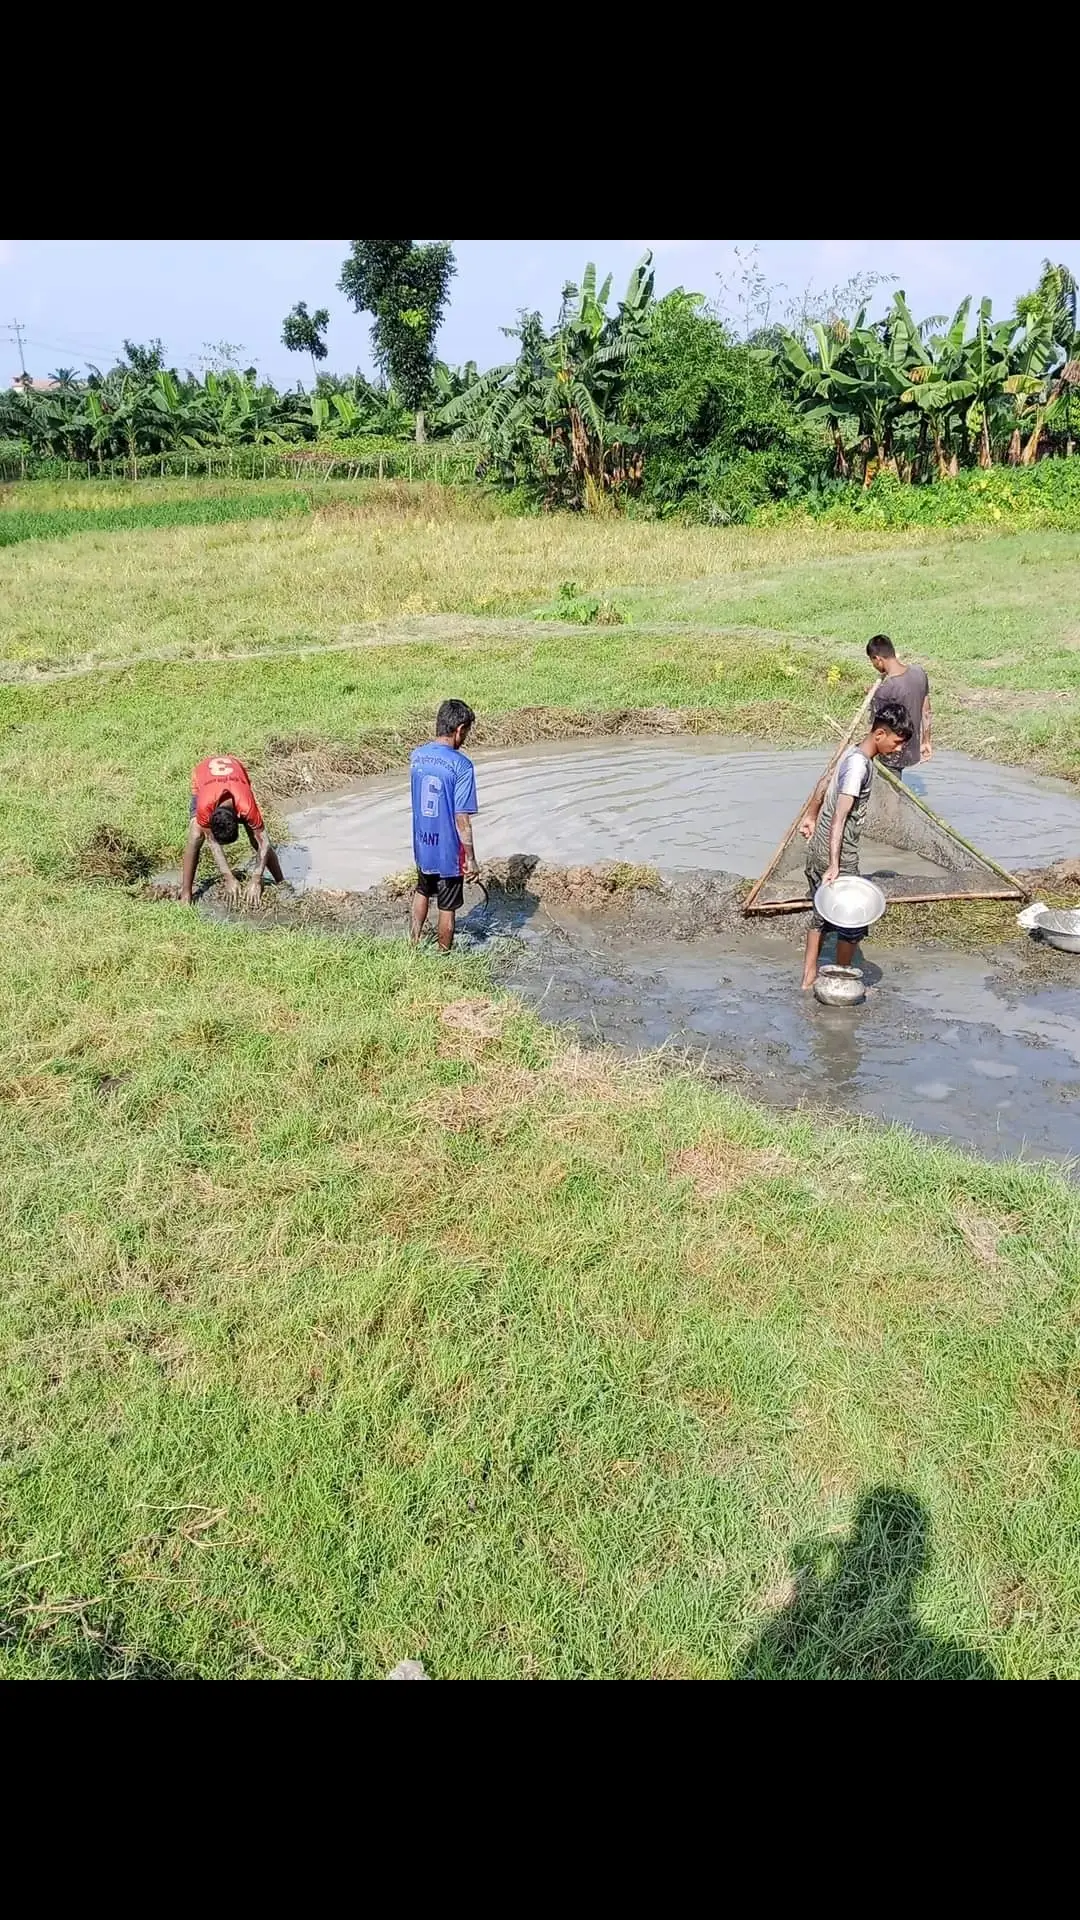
[(17, 329)]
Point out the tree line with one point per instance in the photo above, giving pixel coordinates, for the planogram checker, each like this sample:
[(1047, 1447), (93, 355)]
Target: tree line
[(667, 402)]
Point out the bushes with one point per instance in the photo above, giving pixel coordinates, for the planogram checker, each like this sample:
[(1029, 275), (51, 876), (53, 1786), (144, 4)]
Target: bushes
[(1046, 495), (717, 435), (367, 455)]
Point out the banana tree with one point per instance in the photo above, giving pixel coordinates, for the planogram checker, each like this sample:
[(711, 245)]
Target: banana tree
[(551, 417), (936, 388), (243, 413), (1063, 410), (986, 369), (825, 386), (1032, 355)]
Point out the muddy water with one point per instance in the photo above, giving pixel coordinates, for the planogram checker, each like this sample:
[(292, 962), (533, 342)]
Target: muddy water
[(677, 803), (966, 1048), (984, 1050)]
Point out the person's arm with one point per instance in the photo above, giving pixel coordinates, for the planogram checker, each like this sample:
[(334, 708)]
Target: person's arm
[(463, 822), (809, 819), (844, 804), (260, 841), (464, 809), (192, 849), (926, 729)]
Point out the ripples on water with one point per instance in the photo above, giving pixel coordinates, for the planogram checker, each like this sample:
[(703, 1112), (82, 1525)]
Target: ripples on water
[(676, 803)]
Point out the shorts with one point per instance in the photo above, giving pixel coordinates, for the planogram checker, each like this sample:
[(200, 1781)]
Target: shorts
[(448, 888), (854, 934)]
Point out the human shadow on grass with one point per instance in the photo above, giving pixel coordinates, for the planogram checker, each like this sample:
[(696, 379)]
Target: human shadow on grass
[(851, 1617)]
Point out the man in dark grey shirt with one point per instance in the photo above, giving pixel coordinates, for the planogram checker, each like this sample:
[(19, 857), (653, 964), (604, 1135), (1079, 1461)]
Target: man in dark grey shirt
[(909, 688)]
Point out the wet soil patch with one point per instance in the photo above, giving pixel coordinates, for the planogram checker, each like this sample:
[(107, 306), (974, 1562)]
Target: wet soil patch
[(981, 1047)]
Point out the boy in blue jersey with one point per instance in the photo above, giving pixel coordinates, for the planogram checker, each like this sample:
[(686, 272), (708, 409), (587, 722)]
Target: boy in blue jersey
[(443, 804)]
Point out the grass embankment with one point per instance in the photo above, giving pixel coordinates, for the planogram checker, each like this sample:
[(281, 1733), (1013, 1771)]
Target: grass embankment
[(993, 616), (342, 1322)]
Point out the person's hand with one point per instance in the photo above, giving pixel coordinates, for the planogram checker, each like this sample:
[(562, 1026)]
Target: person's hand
[(253, 894), (806, 826), (927, 751), (831, 873), (472, 871), (231, 890), (186, 900)]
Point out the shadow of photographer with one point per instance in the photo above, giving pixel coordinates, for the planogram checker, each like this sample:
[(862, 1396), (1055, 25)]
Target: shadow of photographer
[(851, 1616)]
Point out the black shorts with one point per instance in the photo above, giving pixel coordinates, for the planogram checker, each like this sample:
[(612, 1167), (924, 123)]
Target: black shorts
[(449, 890), (854, 934)]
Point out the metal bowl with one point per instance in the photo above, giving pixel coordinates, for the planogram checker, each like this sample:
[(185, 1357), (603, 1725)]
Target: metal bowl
[(1061, 927), (840, 986), (850, 901)]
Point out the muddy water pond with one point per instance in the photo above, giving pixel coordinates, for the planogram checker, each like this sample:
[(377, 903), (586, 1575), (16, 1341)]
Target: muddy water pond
[(972, 1048), (681, 802), (983, 1050)]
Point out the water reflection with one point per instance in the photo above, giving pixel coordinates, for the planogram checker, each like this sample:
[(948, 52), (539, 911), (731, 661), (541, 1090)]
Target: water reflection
[(836, 1044)]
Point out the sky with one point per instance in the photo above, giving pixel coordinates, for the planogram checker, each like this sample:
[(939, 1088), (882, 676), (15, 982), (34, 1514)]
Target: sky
[(79, 299)]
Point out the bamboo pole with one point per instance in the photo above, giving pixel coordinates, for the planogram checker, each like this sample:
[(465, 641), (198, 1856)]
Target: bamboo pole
[(898, 900)]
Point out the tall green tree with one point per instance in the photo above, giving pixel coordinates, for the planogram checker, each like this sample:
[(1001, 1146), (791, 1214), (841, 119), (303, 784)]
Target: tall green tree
[(303, 333), (144, 361), (405, 289)]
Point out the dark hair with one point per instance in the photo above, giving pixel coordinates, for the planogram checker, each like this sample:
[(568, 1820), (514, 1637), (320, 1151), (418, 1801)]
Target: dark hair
[(881, 646), (452, 715), (893, 718), (224, 824)]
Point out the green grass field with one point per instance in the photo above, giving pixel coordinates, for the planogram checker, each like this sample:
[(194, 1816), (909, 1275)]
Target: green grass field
[(343, 1323)]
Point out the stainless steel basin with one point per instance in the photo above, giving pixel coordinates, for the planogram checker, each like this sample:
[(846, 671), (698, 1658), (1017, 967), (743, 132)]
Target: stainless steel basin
[(850, 901), (1061, 927)]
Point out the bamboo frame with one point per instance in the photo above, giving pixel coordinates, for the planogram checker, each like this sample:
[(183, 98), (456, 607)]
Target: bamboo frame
[(984, 858), (1015, 890), (803, 905), (763, 879)]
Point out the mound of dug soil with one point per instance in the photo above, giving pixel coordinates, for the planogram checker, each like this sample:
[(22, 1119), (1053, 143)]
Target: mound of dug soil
[(111, 855)]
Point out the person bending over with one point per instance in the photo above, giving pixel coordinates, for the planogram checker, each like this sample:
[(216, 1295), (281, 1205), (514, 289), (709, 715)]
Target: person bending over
[(832, 825), (443, 782), (907, 687), (222, 801)]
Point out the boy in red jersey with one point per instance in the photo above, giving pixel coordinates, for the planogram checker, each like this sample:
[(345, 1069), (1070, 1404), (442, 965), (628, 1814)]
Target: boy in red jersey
[(221, 797)]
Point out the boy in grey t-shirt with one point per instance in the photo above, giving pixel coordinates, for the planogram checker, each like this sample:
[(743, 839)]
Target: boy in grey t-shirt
[(832, 824), (909, 688)]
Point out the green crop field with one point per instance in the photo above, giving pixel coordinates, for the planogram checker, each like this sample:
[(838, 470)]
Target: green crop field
[(343, 1322)]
